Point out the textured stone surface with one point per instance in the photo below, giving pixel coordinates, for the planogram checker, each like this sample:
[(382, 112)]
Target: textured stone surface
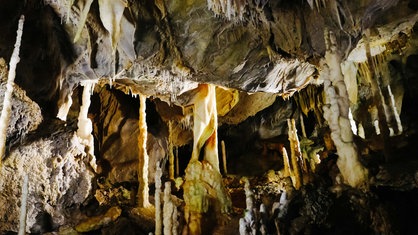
[(26, 115), (59, 181)]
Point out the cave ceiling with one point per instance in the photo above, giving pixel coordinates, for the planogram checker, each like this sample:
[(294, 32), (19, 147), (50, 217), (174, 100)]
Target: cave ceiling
[(165, 48)]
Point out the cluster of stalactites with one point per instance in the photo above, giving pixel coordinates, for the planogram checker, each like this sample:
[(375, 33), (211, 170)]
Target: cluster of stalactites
[(316, 4), (389, 103), (311, 99), (231, 9)]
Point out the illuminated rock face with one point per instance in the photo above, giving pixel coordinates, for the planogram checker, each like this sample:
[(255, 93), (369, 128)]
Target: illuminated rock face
[(212, 71)]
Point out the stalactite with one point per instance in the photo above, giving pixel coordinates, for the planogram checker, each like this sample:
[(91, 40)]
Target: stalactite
[(111, 13), (70, 4), (336, 111), (395, 111), (143, 189), (65, 107), (84, 8), (85, 126), (158, 221), (231, 9), (295, 154), (205, 125), (7, 104), (23, 203), (377, 97)]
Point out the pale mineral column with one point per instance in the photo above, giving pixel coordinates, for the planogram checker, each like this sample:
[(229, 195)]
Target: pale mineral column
[(171, 167), (7, 104), (85, 126), (23, 203), (224, 157), (205, 125), (336, 110), (295, 153), (158, 221), (143, 189)]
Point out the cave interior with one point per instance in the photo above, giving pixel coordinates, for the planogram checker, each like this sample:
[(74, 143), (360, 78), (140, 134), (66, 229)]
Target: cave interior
[(208, 117)]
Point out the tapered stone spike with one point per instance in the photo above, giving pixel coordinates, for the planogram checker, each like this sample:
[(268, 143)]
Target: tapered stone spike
[(143, 189), (295, 154), (83, 18), (7, 104), (170, 151), (23, 203), (224, 157), (286, 163), (158, 214)]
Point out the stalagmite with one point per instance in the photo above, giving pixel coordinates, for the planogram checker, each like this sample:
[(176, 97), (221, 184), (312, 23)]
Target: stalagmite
[(23, 203), (143, 189), (158, 222), (247, 225), (360, 131), (286, 163), (395, 111), (224, 157), (170, 151), (169, 212), (336, 111), (295, 154), (7, 105), (85, 126)]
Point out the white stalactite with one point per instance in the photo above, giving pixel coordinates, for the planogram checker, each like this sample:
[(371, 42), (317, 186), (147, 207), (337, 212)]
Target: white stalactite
[(65, 107), (336, 110), (85, 126), (7, 104), (143, 197)]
